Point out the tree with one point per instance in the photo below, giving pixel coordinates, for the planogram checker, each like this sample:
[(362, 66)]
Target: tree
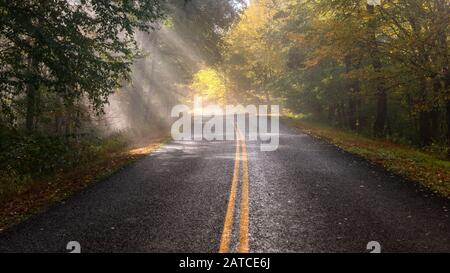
[(346, 63), (250, 57), (74, 49)]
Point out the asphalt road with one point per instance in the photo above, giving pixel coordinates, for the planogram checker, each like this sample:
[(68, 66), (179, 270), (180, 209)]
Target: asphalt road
[(308, 196)]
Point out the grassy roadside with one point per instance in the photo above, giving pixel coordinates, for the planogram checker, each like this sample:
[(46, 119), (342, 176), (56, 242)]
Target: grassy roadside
[(425, 168), (39, 194)]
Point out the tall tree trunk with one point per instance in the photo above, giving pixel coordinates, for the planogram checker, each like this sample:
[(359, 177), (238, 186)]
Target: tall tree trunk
[(448, 122), (426, 135), (425, 116), (342, 117), (351, 96), (426, 129), (379, 128), (267, 94), (361, 123), (352, 114), (331, 113), (446, 83), (148, 113), (31, 107), (31, 98), (443, 10), (361, 119)]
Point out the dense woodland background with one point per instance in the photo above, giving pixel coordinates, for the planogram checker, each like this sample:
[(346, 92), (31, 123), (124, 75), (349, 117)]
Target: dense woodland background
[(381, 70), (82, 78)]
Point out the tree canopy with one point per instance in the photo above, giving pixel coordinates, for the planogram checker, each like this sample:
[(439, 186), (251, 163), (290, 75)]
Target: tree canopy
[(381, 70), (75, 49)]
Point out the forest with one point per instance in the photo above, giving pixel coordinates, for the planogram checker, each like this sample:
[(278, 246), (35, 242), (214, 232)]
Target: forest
[(380, 69), (80, 80), (84, 78)]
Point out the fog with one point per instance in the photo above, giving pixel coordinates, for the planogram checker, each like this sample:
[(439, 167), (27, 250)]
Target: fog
[(159, 80)]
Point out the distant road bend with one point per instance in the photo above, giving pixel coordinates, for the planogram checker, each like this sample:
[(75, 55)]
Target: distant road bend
[(228, 196)]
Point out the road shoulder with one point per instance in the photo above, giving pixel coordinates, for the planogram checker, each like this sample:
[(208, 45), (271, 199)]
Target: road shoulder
[(43, 193), (424, 168)]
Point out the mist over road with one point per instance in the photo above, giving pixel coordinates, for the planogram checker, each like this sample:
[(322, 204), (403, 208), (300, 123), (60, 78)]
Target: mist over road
[(308, 196)]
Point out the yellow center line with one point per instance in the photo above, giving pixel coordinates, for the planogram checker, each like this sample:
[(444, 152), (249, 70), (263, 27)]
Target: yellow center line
[(243, 246), (228, 226), (244, 210)]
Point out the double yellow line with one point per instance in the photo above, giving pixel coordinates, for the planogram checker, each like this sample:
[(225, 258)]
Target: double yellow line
[(243, 246)]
